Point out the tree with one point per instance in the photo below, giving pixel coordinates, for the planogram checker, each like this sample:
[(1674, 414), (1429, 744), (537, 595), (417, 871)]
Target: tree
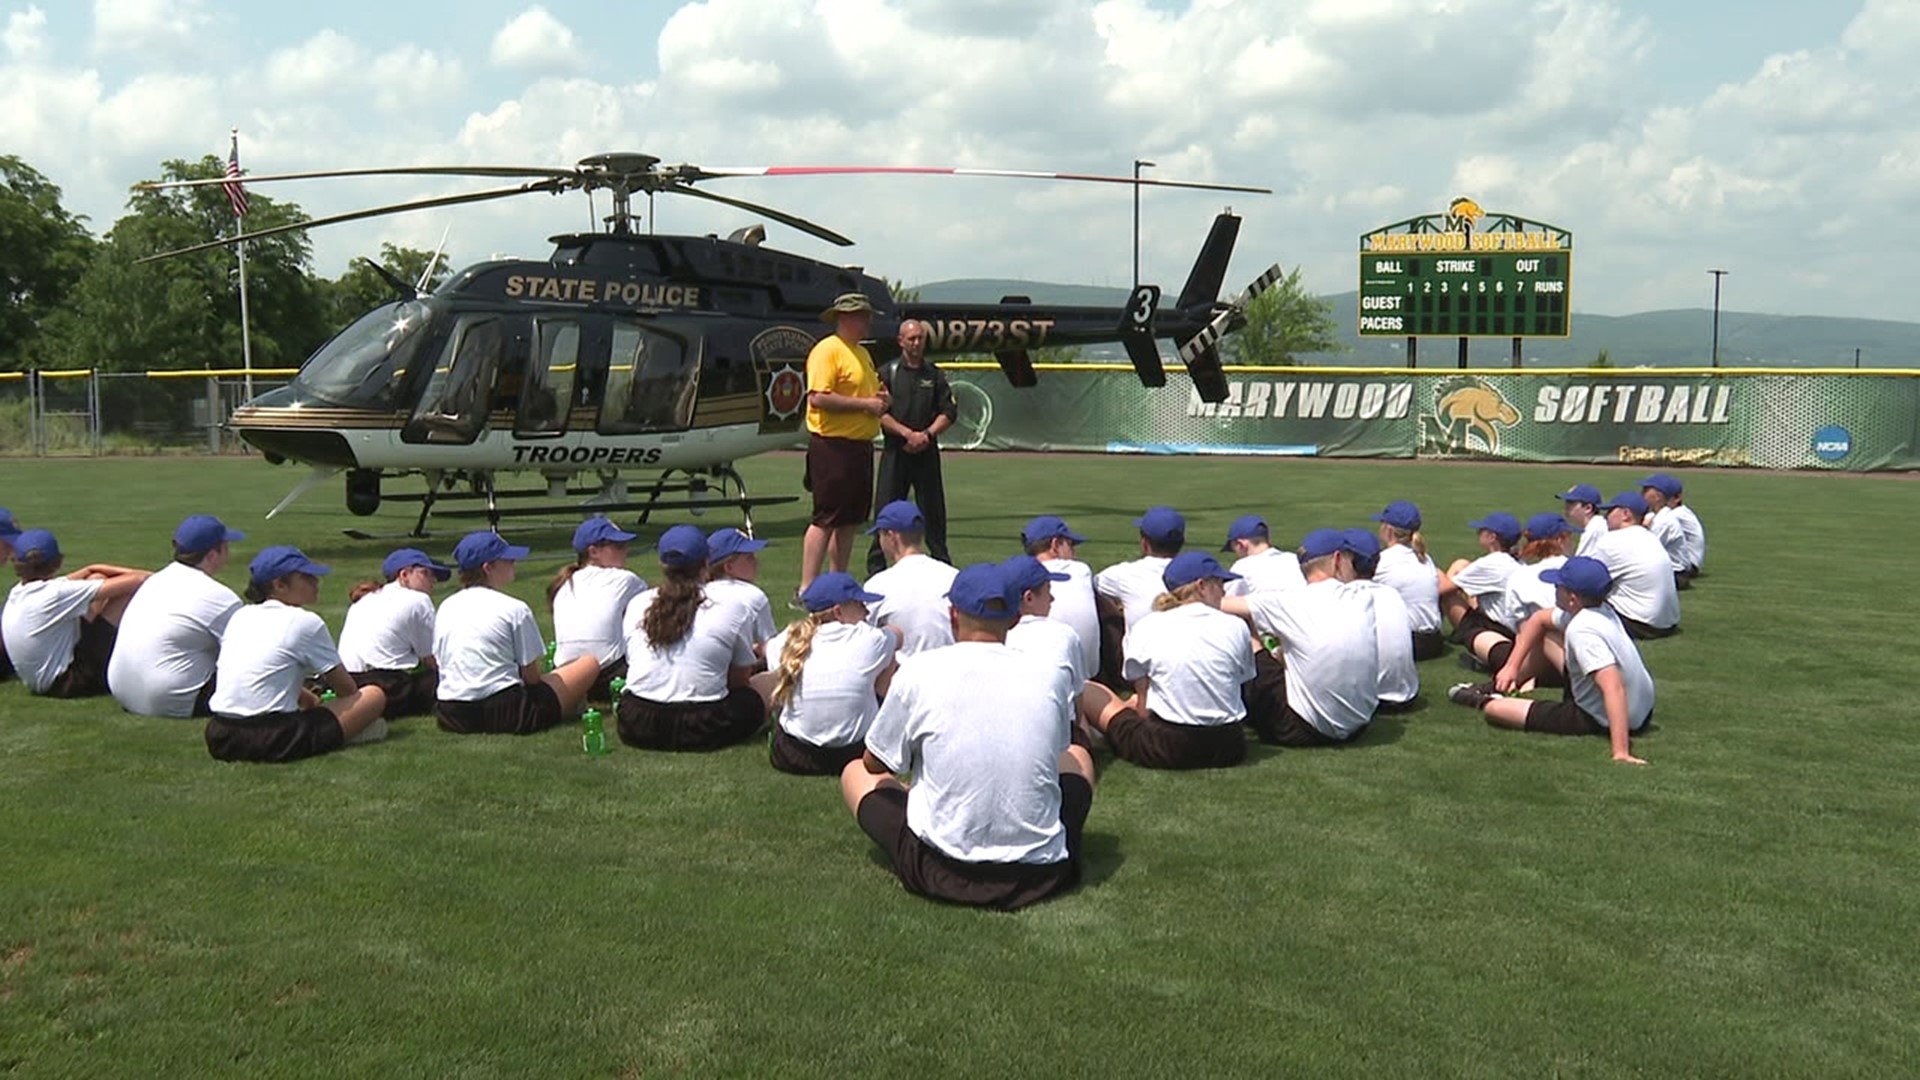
[(1282, 323), (1604, 360), (361, 288), (184, 311), (43, 252)]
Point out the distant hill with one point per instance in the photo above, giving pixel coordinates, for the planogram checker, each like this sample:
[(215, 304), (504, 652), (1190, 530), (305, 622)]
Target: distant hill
[(1653, 338)]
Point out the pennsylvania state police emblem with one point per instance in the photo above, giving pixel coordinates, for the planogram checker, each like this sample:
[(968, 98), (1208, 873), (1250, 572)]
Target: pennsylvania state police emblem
[(781, 352)]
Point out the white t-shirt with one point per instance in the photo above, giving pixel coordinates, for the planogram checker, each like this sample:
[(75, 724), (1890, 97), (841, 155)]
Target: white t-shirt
[(1134, 585), (695, 667), (834, 703), (1332, 652), (481, 639), (268, 651), (728, 590), (587, 612), (1486, 578), (915, 591), (1263, 570), (1592, 533), (1527, 594), (1643, 587), (1417, 581), (1399, 674), (1596, 640), (1073, 605), (41, 626), (1194, 659), (981, 728), (389, 629), (1666, 528), (1054, 642), (1694, 550), (168, 641)]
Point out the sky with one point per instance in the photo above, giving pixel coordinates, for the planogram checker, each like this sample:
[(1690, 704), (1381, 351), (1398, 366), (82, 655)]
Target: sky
[(1773, 139)]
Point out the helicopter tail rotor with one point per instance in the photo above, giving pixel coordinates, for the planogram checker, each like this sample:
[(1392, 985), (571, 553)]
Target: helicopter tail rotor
[(1201, 352)]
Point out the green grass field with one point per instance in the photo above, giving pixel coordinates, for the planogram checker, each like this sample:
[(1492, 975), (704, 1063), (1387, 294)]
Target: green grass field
[(1442, 898)]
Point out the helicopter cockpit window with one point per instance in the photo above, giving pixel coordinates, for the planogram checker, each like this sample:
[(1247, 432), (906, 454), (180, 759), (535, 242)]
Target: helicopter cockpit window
[(547, 397), (652, 380), (363, 364), (455, 406)]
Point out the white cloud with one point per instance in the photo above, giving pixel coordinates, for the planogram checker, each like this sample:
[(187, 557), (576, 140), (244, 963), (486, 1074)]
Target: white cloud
[(26, 33), (535, 41), (324, 62), (146, 25)]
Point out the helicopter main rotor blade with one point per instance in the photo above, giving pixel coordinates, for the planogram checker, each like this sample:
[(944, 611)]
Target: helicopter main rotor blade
[(400, 170), (378, 211), (781, 216), (694, 172)]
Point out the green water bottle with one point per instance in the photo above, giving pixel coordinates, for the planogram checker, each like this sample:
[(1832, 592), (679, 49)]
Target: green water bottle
[(593, 734), (327, 695), (617, 687), (551, 647)]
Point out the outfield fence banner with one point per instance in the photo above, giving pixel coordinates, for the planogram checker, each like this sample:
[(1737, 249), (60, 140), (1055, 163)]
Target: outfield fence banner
[(1771, 419)]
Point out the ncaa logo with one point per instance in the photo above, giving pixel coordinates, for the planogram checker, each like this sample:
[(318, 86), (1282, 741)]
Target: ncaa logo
[(1833, 442)]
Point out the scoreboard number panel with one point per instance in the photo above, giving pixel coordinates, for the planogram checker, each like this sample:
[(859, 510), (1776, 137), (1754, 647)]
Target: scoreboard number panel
[(1478, 294)]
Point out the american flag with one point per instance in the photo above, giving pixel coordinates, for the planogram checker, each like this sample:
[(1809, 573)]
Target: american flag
[(236, 192)]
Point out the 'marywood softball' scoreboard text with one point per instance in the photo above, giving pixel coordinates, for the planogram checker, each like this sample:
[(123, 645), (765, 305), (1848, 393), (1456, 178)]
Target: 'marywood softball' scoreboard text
[(1439, 276)]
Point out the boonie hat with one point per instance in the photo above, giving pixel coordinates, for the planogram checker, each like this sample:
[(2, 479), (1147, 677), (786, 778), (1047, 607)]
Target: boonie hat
[(1249, 527), (598, 530), (1501, 524), (203, 532), (1026, 573), (1191, 566), (1400, 514), (1587, 577), (8, 527), (900, 515), (983, 591), (477, 549), (683, 545), (278, 561), (1585, 493), (407, 558), (35, 545), (1628, 500), (1162, 524), (724, 544), (1548, 525), (1663, 483), (846, 304), (833, 589), (1321, 543), (1046, 527)]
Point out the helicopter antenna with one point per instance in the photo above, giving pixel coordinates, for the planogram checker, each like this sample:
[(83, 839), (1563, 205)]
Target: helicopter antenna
[(426, 276), (649, 213)]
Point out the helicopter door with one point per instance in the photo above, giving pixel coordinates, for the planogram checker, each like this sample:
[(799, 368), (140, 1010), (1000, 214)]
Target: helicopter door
[(653, 378), (547, 397), (458, 399)]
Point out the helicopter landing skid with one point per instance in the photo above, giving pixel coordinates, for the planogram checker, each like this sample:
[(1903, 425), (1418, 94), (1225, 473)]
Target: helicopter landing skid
[(700, 490)]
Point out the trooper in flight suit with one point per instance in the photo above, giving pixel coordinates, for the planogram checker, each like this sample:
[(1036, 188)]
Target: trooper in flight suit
[(922, 408)]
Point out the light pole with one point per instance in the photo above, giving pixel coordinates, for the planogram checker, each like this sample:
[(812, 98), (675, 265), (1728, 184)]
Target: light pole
[(1138, 164), (1717, 275)]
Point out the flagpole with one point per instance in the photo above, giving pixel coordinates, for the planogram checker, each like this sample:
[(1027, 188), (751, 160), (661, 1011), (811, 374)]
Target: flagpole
[(246, 335)]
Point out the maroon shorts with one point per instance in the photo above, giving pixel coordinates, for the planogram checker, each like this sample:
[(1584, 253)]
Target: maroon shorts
[(1153, 743), (690, 725), (929, 872), (802, 758), (275, 738), (840, 475), (517, 710)]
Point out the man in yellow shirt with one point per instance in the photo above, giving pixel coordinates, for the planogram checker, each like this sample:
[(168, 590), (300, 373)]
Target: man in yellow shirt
[(844, 404)]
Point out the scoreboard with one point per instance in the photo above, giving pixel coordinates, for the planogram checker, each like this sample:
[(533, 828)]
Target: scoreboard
[(1472, 293)]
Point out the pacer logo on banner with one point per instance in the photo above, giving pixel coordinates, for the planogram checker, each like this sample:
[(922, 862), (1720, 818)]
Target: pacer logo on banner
[(1468, 415)]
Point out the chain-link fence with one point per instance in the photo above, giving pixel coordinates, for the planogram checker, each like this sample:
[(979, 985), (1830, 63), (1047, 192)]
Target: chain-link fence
[(85, 413)]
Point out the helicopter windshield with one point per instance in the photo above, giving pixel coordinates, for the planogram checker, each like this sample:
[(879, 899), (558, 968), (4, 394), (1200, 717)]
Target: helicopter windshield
[(361, 365)]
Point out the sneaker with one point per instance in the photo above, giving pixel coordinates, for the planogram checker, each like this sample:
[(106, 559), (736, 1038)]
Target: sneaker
[(1473, 663), (1472, 695), (374, 732)]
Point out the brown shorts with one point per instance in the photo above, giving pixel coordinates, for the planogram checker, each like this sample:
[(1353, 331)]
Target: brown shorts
[(1268, 713), (1476, 622), (1154, 743), (1563, 717), (517, 710), (927, 871), (1428, 644), (276, 737), (690, 725), (802, 758), (602, 688), (409, 693), (840, 475), (6, 663), (1640, 631), (86, 674)]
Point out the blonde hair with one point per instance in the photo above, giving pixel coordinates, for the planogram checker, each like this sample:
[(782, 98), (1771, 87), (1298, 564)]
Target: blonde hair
[(1412, 538), (793, 655), (1185, 594)]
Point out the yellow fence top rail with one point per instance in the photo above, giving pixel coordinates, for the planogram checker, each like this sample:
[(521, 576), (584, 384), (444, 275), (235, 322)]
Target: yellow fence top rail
[(1437, 372), (224, 373)]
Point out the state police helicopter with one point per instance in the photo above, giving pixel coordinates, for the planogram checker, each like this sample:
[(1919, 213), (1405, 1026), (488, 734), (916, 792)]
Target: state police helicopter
[(625, 350)]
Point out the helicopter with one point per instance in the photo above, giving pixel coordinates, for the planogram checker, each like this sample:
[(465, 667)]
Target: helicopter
[(627, 351)]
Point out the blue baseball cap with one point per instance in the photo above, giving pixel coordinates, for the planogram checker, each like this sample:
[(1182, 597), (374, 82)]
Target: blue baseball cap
[(1249, 527), (1587, 577), (1663, 483), (598, 530), (35, 545), (984, 592), (203, 532), (1400, 514), (278, 561), (407, 558), (1585, 493), (833, 589), (8, 527), (1548, 525), (1321, 543), (1047, 527), (477, 549), (1363, 543), (724, 544), (1162, 524), (683, 545), (1191, 566), (900, 515), (1501, 524), (1627, 500), (1026, 573)]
